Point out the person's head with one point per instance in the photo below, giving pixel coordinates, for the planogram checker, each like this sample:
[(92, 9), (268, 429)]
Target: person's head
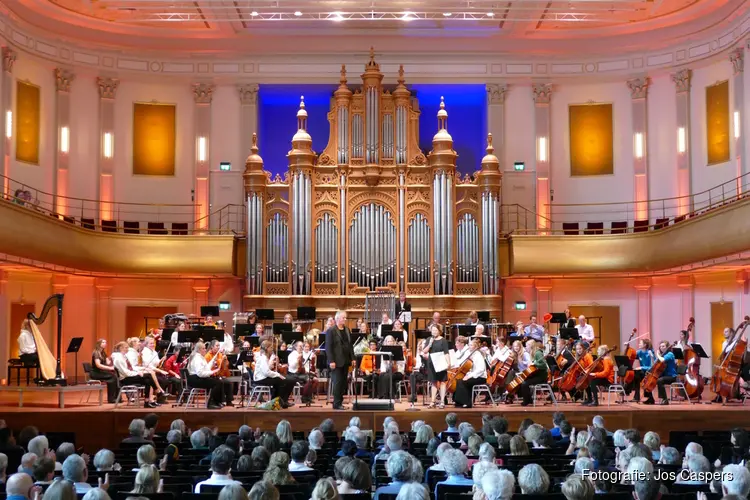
[(670, 456), (646, 488), (597, 449), (474, 442), (316, 439), (284, 432), (652, 440), (394, 442), (233, 491), (440, 452), (96, 494), (455, 463), (60, 490), (198, 439), (738, 437), (360, 440), (693, 449), (259, 458), (641, 450), (27, 461), (179, 425), (533, 433), (146, 455), (432, 446), (278, 467), (582, 320), (259, 329), (503, 442), (451, 420), (618, 438), (146, 480), (623, 459), (104, 460), (565, 428), (545, 439), (424, 434), (557, 418), (39, 446), (525, 424), (221, 460), (19, 484), (728, 332), (263, 490), (340, 319), (735, 480), (580, 349), (664, 346), (436, 331), (533, 480), (632, 436), (399, 466), (518, 446), (44, 469), (576, 487), (698, 463), (479, 330), (3, 465), (486, 453), (327, 425), (151, 420), (639, 466), (499, 425), (325, 489), (174, 437), (137, 428), (270, 442), (74, 469), (460, 342), (413, 491), (299, 451), (498, 484), (357, 475), (339, 465), (583, 465), (466, 430)]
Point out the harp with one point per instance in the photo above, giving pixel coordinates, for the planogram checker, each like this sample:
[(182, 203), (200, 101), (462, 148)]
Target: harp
[(49, 364)]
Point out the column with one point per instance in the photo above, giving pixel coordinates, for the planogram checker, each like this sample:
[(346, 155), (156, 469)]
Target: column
[(542, 94), (6, 104), (200, 294), (741, 278), (203, 93), (103, 309), (686, 284), (4, 324), (643, 304), (58, 285), (496, 117), (737, 58), (248, 114), (638, 92), (681, 80), (543, 298), (63, 79), (107, 93)]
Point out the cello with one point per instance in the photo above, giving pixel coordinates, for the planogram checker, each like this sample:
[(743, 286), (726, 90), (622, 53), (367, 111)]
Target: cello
[(632, 355), (727, 372), (653, 374), (459, 373), (584, 380), (500, 371), (568, 381), (694, 383), (515, 384)]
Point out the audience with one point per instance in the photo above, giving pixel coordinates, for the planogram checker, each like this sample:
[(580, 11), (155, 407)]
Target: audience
[(220, 465), (263, 490), (498, 485), (355, 478), (19, 486), (576, 487), (533, 480), (260, 458), (74, 470), (325, 489), (278, 470), (61, 490), (399, 469), (299, 452), (456, 465), (44, 471)]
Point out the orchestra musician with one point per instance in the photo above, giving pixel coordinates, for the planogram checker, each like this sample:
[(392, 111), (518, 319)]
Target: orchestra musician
[(500, 355), (135, 359), (209, 321), (260, 330), (302, 369), (418, 373), (265, 374), (473, 318), (103, 369), (684, 340), (477, 375), (340, 355), (669, 375), (570, 321), (435, 321), (201, 375), (437, 379), (181, 327), (522, 361), (174, 363), (385, 320), (390, 372), (726, 349), (536, 353), (151, 363), (584, 361), (129, 376), (216, 353), (602, 377), (27, 345), (368, 370), (585, 330), (645, 356), (398, 327), (402, 306), (288, 318), (534, 331)]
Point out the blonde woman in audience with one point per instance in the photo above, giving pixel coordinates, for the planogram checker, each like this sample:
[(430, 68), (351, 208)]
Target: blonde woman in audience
[(263, 490), (233, 492), (146, 455), (96, 494), (278, 470), (355, 478), (325, 489), (576, 487), (417, 471), (518, 446), (424, 434), (653, 441), (284, 433), (59, 490), (147, 481)]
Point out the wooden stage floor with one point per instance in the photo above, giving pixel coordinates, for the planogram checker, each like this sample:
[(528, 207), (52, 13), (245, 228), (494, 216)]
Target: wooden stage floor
[(104, 426)]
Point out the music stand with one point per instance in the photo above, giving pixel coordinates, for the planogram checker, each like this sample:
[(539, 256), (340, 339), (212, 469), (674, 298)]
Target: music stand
[(559, 318), (73, 348), (569, 333), (283, 357), (306, 313), (385, 330), (321, 340), (552, 363), (621, 361), (280, 328), (699, 350), (243, 330), (290, 337), (264, 314), (483, 316), (212, 334), (678, 354), (254, 341), (422, 334), (467, 330), (188, 337)]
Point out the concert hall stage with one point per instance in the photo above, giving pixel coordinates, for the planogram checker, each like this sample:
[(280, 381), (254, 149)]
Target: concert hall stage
[(104, 426)]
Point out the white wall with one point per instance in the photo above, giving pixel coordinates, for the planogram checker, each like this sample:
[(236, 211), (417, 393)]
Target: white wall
[(662, 140)]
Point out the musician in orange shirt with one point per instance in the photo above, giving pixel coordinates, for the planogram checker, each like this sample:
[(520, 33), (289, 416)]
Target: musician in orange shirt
[(584, 361), (603, 377), (369, 369)]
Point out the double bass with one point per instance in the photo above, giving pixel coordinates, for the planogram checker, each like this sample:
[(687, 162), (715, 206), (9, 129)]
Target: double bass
[(632, 355), (693, 381), (727, 372), (584, 380), (653, 374)]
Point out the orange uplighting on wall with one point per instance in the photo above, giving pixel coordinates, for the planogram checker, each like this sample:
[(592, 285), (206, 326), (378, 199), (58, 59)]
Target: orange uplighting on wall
[(717, 123), (681, 140), (154, 139), (28, 108), (591, 139)]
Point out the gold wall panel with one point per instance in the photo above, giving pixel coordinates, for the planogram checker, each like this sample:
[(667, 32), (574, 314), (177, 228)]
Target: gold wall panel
[(154, 132), (717, 123), (28, 111), (591, 142), (691, 241), (55, 242)]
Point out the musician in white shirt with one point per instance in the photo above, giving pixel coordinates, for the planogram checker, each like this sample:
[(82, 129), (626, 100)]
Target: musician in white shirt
[(302, 370), (228, 344), (417, 374), (385, 321), (181, 327), (27, 345), (398, 330), (201, 375), (129, 376), (477, 375), (265, 375), (390, 372), (585, 331), (152, 363), (462, 349)]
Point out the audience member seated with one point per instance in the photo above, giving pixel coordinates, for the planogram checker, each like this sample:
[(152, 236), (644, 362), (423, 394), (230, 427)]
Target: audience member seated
[(533, 480), (147, 481), (137, 429), (104, 461), (39, 446), (498, 485), (3, 470), (316, 440), (260, 458), (64, 451), (479, 470), (61, 490), (576, 487), (172, 451), (198, 440), (355, 478), (413, 491), (278, 470), (399, 469), (44, 471), (518, 446), (735, 480), (263, 490), (19, 486), (456, 465), (670, 456), (233, 492), (146, 455), (325, 489), (221, 462), (74, 470), (27, 464), (299, 452), (284, 433)]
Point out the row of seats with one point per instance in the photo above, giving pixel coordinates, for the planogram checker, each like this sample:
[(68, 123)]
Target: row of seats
[(128, 227), (620, 227)]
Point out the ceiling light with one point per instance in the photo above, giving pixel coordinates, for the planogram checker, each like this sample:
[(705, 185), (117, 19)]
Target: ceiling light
[(297, 13), (408, 16), (336, 16), (254, 13), (490, 14), (447, 14)]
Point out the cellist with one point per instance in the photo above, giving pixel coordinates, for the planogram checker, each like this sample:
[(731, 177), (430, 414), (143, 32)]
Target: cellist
[(645, 356), (536, 352), (477, 375), (726, 349), (584, 361), (664, 355), (602, 377)]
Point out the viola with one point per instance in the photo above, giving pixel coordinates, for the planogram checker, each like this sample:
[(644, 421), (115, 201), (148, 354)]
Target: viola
[(221, 362), (568, 381), (727, 373), (653, 374), (585, 379)]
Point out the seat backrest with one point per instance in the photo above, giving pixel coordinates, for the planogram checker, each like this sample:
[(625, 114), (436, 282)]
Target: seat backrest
[(132, 227), (86, 368), (442, 489), (619, 227), (109, 226)]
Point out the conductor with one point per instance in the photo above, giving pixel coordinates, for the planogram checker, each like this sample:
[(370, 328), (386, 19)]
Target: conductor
[(340, 356)]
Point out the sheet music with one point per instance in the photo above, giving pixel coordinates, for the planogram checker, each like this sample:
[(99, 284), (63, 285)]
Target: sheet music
[(405, 317), (439, 361), (453, 357)]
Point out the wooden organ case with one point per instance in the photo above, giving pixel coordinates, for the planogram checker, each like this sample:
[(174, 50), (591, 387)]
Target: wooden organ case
[(373, 212)]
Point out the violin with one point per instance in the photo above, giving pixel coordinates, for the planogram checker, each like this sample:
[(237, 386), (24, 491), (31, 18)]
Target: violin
[(221, 362)]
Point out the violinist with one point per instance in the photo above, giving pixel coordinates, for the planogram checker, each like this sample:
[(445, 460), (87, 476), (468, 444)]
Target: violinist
[(288, 318), (174, 363), (477, 375), (217, 355), (521, 362), (201, 375), (398, 331), (228, 343), (300, 363), (669, 375), (536, 353), (181, 327), (264, 375), (384, 321), (152, 363), (368, 370), (603, 376), (418, 372), (103, 369), (461, 351), (645, 356)]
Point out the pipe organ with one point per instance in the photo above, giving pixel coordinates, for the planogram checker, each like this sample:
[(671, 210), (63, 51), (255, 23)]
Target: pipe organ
[(372, 212)]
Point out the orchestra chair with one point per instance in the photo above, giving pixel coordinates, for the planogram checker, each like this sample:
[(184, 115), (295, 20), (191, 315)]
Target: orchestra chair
[(618, 227), (18, 365), (133, 393), (257, 392), (543, 391), (443, 489), (297, 394), (677, 388), (192, 397), (617, 387), (406, 389), (570, 228), (88, 381), (479, 389)]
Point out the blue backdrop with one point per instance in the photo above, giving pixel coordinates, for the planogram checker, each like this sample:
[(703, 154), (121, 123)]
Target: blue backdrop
[(277, 120)]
